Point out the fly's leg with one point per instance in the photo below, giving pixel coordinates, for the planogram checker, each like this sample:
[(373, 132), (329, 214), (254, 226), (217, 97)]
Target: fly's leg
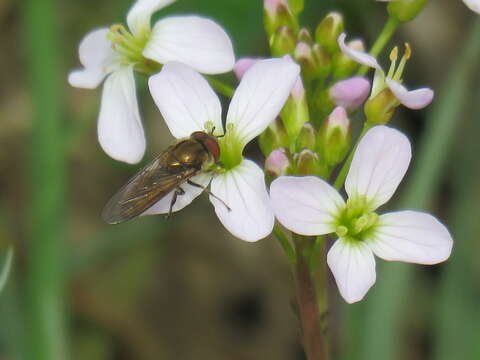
[(190, 182), (178, 191)]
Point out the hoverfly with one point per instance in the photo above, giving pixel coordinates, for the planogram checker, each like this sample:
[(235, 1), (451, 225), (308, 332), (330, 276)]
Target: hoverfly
[(167, 172)]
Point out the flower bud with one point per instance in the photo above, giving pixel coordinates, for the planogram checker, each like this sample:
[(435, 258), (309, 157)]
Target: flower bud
[(304, 36), (277, 163), (296, 6), (275, 136), (277, 13), (335, 137), (307, 137), (323, 60), (344, 65), (350, 93), (304, 57), (283, 41), (242, 65), (379, 109), (307, 162), (406, 10), (328, 31)]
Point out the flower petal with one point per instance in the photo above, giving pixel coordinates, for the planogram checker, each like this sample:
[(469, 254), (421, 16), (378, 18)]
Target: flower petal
[(97, 56), (356, 55), (378, 166), (138, 18), (473, 5), (305, 205), (260, 96), (198, 42), (413, 99), (191, 192), (243, 189), (353, 266), (185, 100), (411, 236), (120, 130)]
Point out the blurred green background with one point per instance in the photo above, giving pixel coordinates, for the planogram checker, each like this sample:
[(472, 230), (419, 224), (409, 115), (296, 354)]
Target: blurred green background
[(185, 288)]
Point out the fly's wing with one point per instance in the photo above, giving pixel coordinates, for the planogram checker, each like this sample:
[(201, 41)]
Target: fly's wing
[(144, 189)]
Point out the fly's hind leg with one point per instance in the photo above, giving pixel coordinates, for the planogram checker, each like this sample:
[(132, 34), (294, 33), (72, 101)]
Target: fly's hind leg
[(178, 191), (190, 182)]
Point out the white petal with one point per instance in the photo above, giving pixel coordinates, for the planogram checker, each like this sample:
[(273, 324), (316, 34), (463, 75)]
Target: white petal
[(305, 205), (138, 18), (473, 5), (356, 55), (411, 236), (243, 189), (185, 100), (97, 56), (198, 42), (379, 164), (413, 99), (120, 130), (260, 96), (353, 266), (191, 192)]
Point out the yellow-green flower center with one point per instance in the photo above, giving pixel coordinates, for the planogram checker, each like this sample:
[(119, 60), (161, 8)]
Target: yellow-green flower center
[(356, 222), (130, 48), (231, 148)]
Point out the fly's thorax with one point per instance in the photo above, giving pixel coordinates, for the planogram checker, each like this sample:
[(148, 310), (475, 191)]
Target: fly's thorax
[(188, 153), (357, 221)]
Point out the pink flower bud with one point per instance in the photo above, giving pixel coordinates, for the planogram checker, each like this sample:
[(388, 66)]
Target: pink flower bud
[(350, 93), (242, 65), (338, 118), (277, 163), (298, 90), (271, 6)]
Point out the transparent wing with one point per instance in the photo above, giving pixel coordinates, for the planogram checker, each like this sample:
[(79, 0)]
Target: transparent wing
[(144, 189)]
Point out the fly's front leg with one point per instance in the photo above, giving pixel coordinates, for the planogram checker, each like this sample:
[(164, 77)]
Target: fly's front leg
[(190, 182), (178, 191)]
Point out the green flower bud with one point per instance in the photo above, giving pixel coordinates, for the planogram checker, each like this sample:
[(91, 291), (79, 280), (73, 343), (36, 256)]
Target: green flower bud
[(406, 10), (328, 31), (275, 136), (335, 137), (304, 36), (380, 108), (283, 41), (277, 14), (304, 57), (323, 60), (306, 162), (307, 137)]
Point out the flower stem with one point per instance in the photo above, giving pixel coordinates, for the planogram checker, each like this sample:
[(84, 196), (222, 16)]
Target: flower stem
[(285, 244), (340, 180), (313, 334), (221, 87), (387, 32)]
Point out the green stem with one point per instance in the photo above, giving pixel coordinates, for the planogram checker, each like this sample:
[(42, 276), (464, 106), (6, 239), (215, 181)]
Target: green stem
[(313, 334), (285, 244), (387, 32), (221, 87), (342, 175), (45, 267)]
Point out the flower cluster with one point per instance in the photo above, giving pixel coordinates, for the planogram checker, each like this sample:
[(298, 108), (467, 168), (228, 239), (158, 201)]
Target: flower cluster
[(299, 104)]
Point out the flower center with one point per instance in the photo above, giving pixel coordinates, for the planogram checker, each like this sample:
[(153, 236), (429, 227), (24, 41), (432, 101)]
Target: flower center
[(230, 148), (356, 222), (130, 49)]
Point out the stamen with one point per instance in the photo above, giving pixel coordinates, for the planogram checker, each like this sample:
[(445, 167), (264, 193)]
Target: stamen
[(341, 231), (403, 61), (393, 61)]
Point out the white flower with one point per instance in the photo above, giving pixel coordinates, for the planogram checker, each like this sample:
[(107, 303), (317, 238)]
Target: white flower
[(310, 206), (188, 104), (473, 5), (116, 52), (414, 99)]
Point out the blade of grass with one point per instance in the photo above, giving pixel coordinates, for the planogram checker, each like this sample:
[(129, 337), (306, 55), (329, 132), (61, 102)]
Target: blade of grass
[(385, 309), (457, 311), (45, 294)]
